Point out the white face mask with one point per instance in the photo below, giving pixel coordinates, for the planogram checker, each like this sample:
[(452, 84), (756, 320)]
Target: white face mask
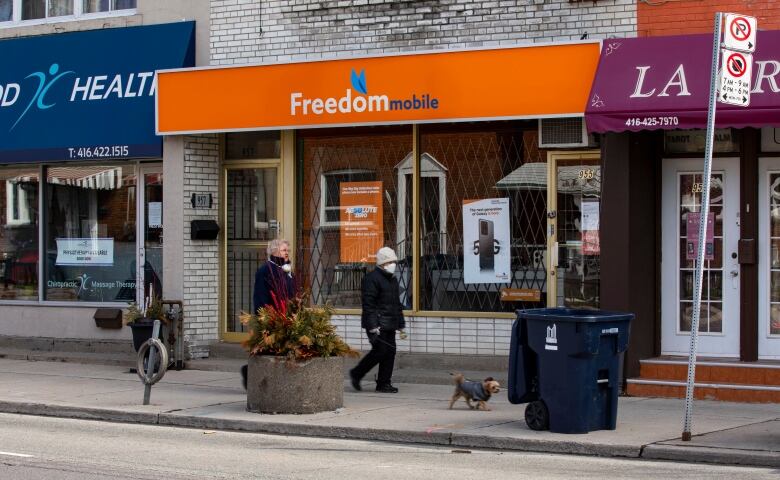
[(389, 268), (286, 268)]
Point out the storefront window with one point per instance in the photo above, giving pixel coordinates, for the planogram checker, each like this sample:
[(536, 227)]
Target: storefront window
[(92, 6), (34, 9), (6, 10), (253, 145), (90, 233), (483, 217), (19, 234), (352, 204)]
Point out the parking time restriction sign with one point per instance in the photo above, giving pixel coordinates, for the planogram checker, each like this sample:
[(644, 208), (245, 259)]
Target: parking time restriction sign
[(735, 78)]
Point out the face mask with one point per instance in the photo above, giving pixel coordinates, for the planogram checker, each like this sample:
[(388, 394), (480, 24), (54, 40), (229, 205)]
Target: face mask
[(389, 268), (286, 268)]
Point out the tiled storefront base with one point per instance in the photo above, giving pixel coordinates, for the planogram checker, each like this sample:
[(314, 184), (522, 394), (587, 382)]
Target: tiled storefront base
[(456, 336)]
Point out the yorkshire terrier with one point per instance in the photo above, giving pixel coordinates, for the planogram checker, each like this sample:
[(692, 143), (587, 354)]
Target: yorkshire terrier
[(479, 392)]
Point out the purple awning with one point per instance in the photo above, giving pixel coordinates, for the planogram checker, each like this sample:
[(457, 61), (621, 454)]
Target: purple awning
[(663, 83)]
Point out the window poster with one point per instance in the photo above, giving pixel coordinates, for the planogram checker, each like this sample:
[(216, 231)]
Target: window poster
[(486, 241), (155, 215), (590, 228), (692, 236), (360, 221), (95, 252)]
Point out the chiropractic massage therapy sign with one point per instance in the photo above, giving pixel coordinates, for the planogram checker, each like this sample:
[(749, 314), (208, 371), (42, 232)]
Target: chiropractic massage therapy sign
[(360, 221)]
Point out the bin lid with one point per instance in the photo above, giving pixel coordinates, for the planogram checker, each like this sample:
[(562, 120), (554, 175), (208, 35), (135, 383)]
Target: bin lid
[(578, 315)]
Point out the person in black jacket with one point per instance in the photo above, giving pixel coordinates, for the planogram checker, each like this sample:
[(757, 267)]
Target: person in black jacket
[(382, 316), (273, 279), (274, 276)]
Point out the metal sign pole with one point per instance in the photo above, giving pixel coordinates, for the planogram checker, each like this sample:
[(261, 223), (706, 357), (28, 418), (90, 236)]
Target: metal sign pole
[(150, 364), (705, 210)]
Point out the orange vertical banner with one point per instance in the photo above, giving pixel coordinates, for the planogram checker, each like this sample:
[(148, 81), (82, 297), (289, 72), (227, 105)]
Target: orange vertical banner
[(361, 222)]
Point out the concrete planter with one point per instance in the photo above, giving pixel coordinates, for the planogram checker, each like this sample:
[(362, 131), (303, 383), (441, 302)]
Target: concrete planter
[(275, 385)]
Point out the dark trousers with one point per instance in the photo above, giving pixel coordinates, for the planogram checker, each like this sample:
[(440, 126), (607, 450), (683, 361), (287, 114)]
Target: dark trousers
[(383, 353)]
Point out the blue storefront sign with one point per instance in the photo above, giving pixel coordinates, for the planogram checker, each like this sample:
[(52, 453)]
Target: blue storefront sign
[(86, 95)]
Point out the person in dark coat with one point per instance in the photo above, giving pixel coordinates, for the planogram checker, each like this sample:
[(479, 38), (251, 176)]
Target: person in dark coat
[(382, 316), (274, 276), (273, 279)]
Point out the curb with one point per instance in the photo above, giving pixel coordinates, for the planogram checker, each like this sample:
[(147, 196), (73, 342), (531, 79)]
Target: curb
[(721, 456), (684, 454)]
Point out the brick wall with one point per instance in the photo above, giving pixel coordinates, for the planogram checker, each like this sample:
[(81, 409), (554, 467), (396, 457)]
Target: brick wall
[(247, 31), (697, 16), (201, 257), (455, 336)]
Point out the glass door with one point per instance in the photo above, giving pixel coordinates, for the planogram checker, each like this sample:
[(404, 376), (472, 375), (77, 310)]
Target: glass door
[(719, 313), (574, 200), (150, 248), (252, 220), (769, 259)]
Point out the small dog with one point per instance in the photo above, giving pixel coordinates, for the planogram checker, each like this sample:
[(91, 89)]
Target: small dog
[(477, 391)]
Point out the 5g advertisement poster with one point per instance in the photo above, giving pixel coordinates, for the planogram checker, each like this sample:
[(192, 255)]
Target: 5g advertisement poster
[(486, 241)]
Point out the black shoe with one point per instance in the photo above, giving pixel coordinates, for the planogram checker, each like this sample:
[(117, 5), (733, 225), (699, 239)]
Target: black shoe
[(386, 389), (355, 381), (243, 375)]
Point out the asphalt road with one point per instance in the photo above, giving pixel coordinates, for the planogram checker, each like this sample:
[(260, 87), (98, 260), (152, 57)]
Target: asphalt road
[(37, 448)]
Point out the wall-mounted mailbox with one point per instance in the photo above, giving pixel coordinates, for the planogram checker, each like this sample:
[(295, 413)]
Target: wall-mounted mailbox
[(747, 251), (204, 229), (108, 318)]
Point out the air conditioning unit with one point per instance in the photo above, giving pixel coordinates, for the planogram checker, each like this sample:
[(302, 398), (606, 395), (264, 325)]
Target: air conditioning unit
[(565, 132)]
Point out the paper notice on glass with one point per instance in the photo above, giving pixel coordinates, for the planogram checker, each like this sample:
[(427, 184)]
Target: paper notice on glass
[(155, 215), (95, 252), (590, 216)]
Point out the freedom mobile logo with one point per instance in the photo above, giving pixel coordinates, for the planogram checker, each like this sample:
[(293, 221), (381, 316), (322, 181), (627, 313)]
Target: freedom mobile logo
[(359, 102), (89, 89)]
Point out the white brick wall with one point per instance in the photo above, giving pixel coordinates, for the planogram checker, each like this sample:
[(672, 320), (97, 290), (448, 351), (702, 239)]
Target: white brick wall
[(201, 257), (249, 31), (457, 336)]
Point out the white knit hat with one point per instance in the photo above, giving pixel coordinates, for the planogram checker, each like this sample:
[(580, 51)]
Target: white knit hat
[(385, 255)]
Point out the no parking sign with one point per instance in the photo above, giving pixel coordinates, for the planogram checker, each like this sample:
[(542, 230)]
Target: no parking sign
[(740, 33), (739, 40)]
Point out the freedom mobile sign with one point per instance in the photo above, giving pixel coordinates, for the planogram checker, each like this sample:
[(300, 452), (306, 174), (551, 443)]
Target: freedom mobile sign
[(529, 81)]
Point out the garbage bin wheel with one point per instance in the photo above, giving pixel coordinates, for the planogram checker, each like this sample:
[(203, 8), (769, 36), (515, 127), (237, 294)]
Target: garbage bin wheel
[(537, 417)]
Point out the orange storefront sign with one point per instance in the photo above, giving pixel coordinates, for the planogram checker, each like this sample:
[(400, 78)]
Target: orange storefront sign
[(502, 83), (360, 221)]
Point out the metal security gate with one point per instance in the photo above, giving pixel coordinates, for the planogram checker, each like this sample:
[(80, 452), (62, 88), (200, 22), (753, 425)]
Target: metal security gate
[(251, 221)]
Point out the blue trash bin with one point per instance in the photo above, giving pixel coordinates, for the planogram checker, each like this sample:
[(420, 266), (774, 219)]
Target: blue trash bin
[(565, 364)]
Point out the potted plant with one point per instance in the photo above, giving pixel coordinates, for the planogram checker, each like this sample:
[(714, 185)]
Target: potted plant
[(141, 320), (295, 358)]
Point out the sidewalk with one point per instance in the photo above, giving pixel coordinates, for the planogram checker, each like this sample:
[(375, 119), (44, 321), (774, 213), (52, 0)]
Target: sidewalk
[(727, 433)]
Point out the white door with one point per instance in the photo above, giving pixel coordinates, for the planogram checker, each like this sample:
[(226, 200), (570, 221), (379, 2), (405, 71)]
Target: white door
[(719, 317), (769, 258)]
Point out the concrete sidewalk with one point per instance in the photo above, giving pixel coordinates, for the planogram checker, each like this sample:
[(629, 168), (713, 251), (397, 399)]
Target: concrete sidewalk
[(728, 433)]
